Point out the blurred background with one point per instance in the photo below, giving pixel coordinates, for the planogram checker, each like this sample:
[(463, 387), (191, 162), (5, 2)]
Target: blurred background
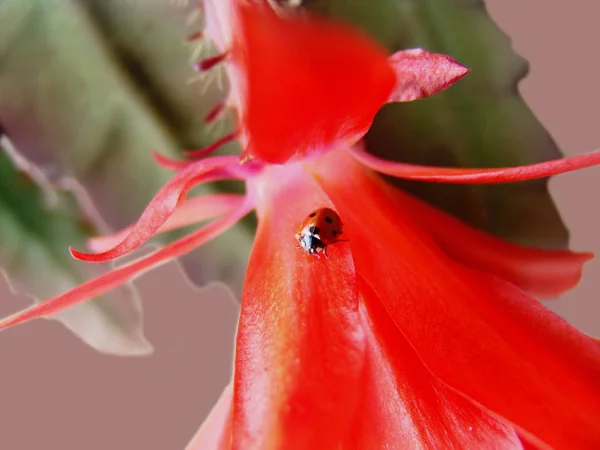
[(57, 73)]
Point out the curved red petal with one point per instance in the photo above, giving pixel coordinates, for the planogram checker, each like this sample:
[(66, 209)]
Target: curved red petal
[(478, 334), (310, 84), (403, 402), (116, 277), (215, 432), (189, 212), (170, 163), (420, 74), (476, 176), (300, 348), (160, 208), (207, 151), (545, 273)]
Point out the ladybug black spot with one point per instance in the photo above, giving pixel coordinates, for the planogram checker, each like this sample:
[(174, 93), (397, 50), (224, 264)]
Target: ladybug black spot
[(334, 233), (328, 219), (312, 214)]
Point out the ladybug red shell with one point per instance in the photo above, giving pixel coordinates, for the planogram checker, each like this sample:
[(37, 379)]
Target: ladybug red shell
[(321, 228)]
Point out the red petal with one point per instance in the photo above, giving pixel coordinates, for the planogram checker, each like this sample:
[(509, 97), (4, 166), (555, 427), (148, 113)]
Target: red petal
[(116, 277), (206, 151), (189, 212), (403, 402), (215, 432), (476, 176), (300, 348), (478, 334), (170, 163), (160, 208), (309, 83), (545, 273), (420, 74)]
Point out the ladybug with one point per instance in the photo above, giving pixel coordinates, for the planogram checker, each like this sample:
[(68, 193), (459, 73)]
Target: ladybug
[(321, 228)]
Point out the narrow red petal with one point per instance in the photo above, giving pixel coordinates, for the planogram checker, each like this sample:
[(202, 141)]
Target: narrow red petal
[(476, 176), (300, 348), (420, 74), (206, 151), (210, 62), (403, 402), (544, 273), (215, 432), (170, 163), (478, 334), (215, 112), (116, 277), (160, 208), (309, 84), (189, 212)]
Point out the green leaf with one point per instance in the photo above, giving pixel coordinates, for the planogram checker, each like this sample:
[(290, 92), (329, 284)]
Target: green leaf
[(89, 87), (482, 121), (37, 225)]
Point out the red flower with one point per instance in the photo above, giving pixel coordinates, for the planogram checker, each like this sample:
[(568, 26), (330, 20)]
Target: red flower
[(416, 332)]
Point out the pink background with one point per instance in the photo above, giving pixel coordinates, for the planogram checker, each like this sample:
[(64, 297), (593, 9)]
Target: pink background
[(58, 393)]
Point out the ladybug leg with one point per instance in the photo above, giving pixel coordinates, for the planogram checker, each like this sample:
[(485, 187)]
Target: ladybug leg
[(325, 252)]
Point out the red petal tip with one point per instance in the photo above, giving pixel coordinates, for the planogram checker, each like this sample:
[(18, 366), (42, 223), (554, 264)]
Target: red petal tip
[(210, 62), (215, 112), (79, 255), (421, 74), (169, 163)]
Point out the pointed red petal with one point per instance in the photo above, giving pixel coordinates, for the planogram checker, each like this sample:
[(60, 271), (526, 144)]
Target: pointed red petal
[(160, 208), (170, 163), (403, 402), (420, 74), (215, 432), (309, 83), (116, 277), (476, 176), (299, 351), (189, 212), (478, 334), (210, 62), (215, 112), (545, 273), (207, 151)]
